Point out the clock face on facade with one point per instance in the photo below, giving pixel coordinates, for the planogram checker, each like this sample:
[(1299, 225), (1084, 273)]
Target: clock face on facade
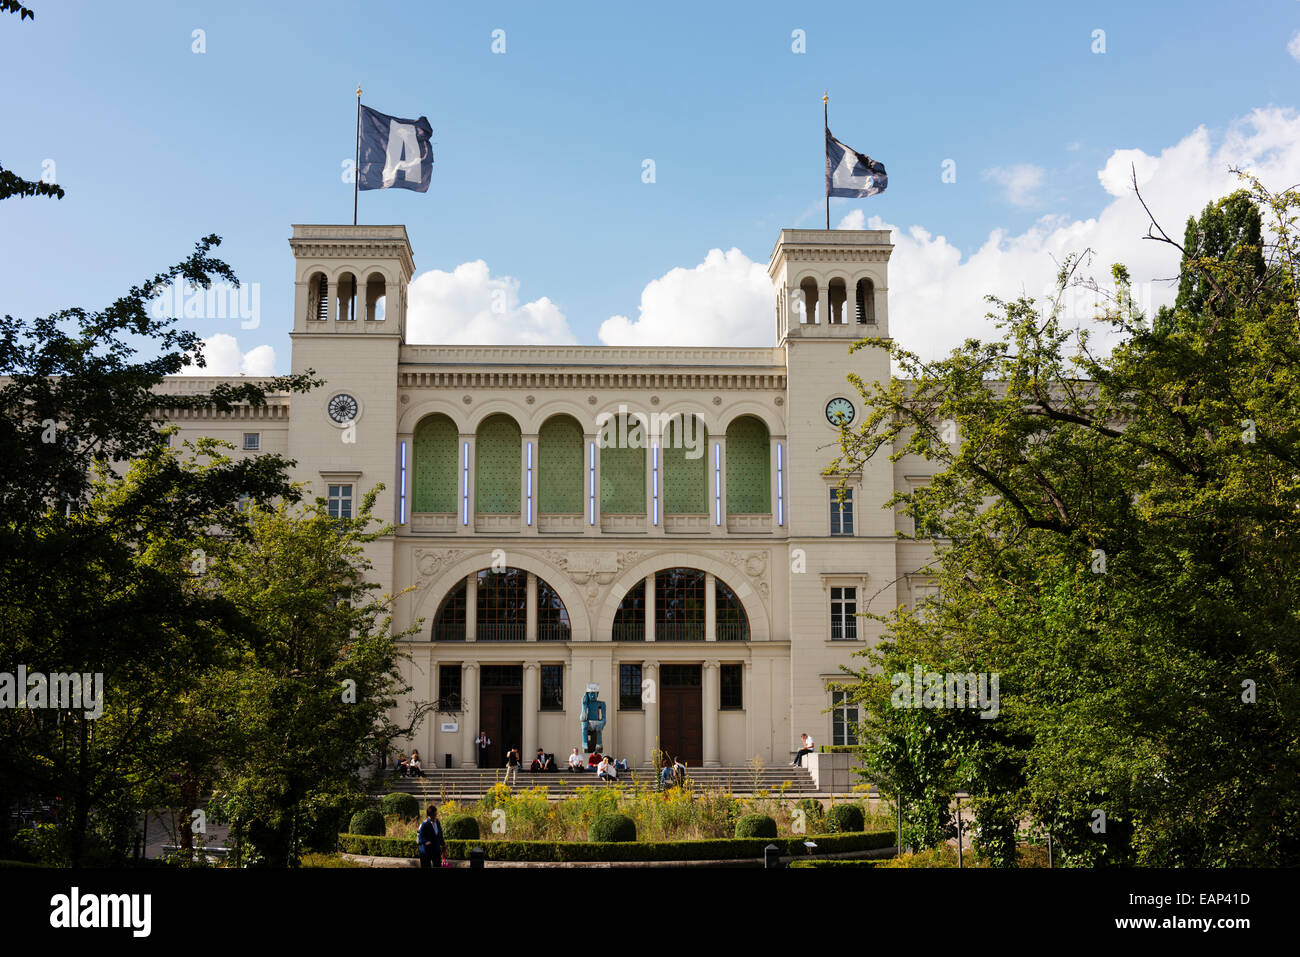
[(343, 408), (839, 412)]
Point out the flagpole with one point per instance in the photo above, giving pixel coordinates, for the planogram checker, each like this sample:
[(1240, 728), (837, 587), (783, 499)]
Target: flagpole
[(356, 164), (827, 123)]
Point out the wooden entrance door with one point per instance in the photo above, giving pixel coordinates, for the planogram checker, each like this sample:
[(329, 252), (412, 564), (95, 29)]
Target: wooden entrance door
[(681, 712), (501, 710)]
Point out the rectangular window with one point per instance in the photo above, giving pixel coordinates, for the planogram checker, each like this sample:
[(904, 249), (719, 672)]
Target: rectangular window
[(528, 491), (464, 487), (252, 441), (629, 687), (654, 484), (731, 681), (591, 483), (841, 511), (844, 719), (401, 484), (340, 501), (552, 687), (717, 483), (780, 484), (844, 611), (449, 688)]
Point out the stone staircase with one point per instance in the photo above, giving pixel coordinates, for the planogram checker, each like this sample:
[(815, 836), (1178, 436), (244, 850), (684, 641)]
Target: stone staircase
[(470, 784)]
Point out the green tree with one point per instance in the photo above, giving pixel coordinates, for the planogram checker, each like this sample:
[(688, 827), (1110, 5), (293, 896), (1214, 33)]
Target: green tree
[(11, 184), (1118, 540), (315, 691)]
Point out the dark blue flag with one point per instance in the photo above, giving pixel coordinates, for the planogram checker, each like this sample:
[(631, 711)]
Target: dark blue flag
[(394, 152), (850, 173)]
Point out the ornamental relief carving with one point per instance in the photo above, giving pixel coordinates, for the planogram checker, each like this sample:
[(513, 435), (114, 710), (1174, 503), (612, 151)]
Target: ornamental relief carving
[(754, 565)]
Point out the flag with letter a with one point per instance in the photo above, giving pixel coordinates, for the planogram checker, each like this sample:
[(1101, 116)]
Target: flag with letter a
[(393, 152), (852, 174)]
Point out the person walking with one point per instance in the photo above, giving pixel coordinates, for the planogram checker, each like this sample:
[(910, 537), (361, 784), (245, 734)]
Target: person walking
[(512, 766), (431, 845)]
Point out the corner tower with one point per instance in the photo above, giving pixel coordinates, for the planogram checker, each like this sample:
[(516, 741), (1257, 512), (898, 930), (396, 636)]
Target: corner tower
[(349, 322)]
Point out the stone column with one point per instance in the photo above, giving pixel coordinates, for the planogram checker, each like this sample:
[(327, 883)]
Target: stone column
[(532, 704), (710, 607), (469, 722), (650, 708), (650, 607), (823, 304), (471, 606), (711, 697), (530, 615)]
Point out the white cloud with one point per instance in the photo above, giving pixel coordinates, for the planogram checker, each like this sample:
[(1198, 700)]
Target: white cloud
[(724, 301), (855, 219), (222, 355), (1293, 47), (1117, 175), (1020, 181), (467, 306), (936, 293)]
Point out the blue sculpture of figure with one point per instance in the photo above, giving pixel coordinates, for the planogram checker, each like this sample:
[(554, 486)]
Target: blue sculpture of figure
[(593, 718)]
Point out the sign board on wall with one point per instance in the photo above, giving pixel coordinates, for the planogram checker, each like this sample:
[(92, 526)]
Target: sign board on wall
[(449, 726)]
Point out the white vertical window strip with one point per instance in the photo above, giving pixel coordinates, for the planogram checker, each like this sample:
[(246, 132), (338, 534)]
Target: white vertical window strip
[(464, 488), (654, 483), (529, 488), (591, 483), (717, 483), (401, 486), (780, 484)]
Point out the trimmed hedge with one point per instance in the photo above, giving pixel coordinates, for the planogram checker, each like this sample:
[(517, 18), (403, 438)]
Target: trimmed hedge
[(400, 804), (611, 828), (461, 827), (368, 821), (843, 818), (835, 862), (756, 825), (721, 849)]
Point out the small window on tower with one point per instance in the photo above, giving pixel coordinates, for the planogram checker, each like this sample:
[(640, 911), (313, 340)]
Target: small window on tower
[(252, 441)]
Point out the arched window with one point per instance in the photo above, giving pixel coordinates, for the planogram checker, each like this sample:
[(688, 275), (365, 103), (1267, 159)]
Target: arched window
[(749, 480), (318, 297), (559, 466), (622, 443), (866, 302), (347, 297), (552, 616), (449, 622), (375, 297), (732, 623), (629, 620), (838, 296), (434, 481), (685, 466), (497, 467), (502, 610), (679, 604), (808, 291)]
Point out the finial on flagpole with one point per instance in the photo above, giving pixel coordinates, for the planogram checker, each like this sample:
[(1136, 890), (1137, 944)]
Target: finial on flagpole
[(358, 91), (825, 98)]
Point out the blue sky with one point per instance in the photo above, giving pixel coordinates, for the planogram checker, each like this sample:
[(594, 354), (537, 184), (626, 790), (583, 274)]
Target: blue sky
[(539, 150)]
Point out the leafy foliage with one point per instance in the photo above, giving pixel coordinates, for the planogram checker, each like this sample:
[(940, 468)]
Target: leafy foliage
[(612, 827)]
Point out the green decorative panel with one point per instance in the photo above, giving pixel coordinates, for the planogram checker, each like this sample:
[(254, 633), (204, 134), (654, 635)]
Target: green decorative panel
[(560, 471), (433, 479), (749, 480), (683, 481), (497, 488), (622, 481)]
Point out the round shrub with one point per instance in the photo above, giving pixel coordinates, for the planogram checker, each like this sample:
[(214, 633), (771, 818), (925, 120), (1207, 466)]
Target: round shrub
[(845, 817), (756, 825), (368, 821), (461, 827), (812, 809), (612, 827), (400, 804)]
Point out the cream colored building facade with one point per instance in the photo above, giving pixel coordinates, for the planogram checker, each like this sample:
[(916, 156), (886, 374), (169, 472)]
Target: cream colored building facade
[(654, 521)]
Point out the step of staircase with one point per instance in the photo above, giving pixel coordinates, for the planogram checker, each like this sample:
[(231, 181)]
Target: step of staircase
[(472, 783)]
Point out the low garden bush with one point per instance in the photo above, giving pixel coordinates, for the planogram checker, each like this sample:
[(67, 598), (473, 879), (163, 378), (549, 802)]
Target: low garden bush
[(610, 828), (460, 827), (756, 825), (368, 821), (400, 804), (843, 818)]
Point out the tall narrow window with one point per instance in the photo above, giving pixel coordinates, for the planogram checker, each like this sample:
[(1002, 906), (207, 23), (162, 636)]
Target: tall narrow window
[(731, 684), (528, 489), (780, 484), (449, 688), (340, 501), (629, 687), (654, 483), (552, 688), (591, 483), (841, 511), (401, 483), (844, 614), (844, 719), (464, 488), (322, 298), (717, 483)]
